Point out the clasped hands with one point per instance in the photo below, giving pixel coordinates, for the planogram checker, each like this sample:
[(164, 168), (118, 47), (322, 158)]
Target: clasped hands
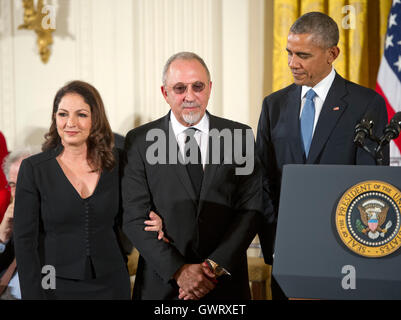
[(194, 280)]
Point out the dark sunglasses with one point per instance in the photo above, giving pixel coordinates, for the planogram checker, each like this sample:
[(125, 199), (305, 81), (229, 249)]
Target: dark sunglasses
[(180, 87)]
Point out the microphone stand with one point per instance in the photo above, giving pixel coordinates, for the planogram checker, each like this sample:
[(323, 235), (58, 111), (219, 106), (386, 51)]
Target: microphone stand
[(365, 128), (391, 132), (379, 154)]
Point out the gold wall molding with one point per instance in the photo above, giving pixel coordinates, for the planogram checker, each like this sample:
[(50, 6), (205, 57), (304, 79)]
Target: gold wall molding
[(37, 19)]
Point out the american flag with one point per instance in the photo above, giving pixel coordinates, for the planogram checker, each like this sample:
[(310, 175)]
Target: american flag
[(389, 77)]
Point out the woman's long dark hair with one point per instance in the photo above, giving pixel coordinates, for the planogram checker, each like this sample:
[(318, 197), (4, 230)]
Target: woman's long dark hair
[(101, 139)]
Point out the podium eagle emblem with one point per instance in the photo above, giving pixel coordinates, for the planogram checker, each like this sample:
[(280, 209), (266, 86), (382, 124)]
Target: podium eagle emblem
[(368, 219), (373, 215)]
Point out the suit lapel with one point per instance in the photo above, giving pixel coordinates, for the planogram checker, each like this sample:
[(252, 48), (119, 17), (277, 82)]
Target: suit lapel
[(332, 109), (293, 106), (179, 169)]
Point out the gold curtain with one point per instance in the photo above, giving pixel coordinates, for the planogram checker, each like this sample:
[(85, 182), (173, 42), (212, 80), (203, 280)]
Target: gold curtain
[(361, 45)]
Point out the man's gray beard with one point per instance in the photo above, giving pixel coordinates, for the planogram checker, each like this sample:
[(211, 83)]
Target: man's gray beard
[(192, 117)]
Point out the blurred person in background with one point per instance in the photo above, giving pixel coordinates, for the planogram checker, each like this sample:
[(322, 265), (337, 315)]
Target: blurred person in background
[(4, 190), (9, 287)]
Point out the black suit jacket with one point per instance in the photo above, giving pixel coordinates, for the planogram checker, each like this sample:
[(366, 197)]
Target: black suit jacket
[(279, 140), (54, 226), (220, 226)]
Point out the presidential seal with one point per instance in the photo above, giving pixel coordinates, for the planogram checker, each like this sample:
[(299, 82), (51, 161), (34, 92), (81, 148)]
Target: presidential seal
[(368, 219)]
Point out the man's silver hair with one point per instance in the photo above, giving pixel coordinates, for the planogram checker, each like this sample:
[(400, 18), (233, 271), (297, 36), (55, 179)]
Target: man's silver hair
[(324, 29), (16, 155), (183, 56)]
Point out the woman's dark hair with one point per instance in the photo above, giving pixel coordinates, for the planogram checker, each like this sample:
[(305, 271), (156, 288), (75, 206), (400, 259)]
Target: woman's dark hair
[(101, 140)]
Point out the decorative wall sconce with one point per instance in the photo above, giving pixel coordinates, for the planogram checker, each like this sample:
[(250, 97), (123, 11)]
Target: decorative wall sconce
[(41, 20)]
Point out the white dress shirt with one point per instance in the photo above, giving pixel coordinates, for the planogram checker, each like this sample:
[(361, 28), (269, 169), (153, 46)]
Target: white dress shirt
[(201, 135), (321, 90)]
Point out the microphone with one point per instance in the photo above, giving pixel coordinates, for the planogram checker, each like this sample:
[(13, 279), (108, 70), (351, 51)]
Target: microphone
[(392, 130), (364, 129)]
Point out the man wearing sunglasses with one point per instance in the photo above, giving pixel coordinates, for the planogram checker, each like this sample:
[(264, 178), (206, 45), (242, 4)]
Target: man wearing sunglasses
[(207, 209)]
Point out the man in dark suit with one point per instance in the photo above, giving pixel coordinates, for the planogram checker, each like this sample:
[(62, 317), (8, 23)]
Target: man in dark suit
[(207, 207), (313, 120)]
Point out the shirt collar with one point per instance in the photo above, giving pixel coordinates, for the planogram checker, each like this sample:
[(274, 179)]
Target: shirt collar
[(178, 128), (323, 87)]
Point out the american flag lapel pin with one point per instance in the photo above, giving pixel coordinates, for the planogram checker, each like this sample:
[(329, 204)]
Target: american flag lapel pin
[(336, 108)]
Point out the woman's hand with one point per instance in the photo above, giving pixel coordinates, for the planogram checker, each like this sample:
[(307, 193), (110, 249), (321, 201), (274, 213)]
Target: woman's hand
[(156, 224)]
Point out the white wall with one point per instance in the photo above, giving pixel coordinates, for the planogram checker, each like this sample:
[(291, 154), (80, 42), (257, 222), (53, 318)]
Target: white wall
[(120, 47)]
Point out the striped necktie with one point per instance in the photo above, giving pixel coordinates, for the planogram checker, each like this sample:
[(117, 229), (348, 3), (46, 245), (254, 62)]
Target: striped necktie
[(194, 164)]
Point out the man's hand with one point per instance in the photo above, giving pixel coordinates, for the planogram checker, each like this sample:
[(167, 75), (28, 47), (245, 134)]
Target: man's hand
[(6, 226), (195, 281), (206, 270), (156, 224)]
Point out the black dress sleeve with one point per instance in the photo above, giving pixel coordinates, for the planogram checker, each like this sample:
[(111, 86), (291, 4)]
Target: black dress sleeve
[(26, 233)]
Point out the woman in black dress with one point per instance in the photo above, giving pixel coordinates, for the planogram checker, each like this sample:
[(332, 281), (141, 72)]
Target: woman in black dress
[(67, 206)]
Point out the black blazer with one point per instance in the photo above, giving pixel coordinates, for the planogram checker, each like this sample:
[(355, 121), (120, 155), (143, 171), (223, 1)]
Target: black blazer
[(279, 140), (54, 226), (220, 227)]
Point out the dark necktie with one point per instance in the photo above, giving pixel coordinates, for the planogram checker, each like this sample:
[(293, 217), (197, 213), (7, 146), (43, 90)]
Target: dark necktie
[(194, 162)]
